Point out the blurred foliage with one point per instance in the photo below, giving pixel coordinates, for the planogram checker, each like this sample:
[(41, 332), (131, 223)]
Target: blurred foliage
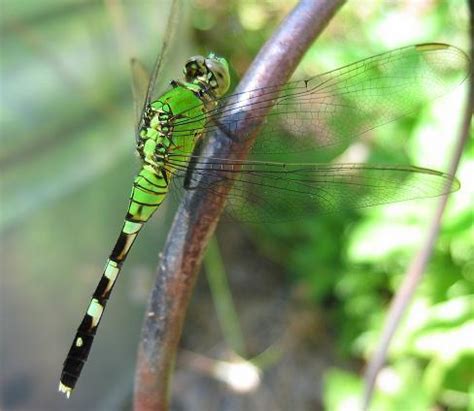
[(352, 264), (67, 163)]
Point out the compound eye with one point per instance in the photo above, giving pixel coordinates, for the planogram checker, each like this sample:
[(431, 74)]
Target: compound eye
[(195, 67), (220, 81)]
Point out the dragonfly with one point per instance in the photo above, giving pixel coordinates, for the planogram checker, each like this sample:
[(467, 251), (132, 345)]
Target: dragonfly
[(323, 112)]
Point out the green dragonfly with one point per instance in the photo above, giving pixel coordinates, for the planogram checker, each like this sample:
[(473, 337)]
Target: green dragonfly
[(323, 112)]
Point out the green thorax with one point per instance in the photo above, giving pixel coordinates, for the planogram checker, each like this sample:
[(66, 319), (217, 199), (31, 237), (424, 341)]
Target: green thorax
[(165, 128)]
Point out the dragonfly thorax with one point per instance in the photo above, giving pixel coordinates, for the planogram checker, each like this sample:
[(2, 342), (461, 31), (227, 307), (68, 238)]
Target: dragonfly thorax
[(154, 138), (173, 122)]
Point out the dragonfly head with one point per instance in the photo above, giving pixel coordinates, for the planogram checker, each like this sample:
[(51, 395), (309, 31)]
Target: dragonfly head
[(212, 71)]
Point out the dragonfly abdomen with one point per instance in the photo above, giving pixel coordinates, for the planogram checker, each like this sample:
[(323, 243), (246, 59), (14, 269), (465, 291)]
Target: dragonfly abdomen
[(148, 192)]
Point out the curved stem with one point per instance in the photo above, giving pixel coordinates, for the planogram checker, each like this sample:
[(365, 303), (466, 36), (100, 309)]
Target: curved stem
[(197, 215)]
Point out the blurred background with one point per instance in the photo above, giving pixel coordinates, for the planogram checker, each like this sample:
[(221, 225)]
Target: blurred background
[(310, 296)]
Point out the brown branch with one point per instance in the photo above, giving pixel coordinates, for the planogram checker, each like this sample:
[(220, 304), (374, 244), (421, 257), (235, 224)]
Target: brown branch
[(414, 274), (197, 215)]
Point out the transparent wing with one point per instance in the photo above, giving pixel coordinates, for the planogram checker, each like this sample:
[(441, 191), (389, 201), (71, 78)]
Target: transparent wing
[(140, 73), (140, 82), (331, 109), (273, 191)]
